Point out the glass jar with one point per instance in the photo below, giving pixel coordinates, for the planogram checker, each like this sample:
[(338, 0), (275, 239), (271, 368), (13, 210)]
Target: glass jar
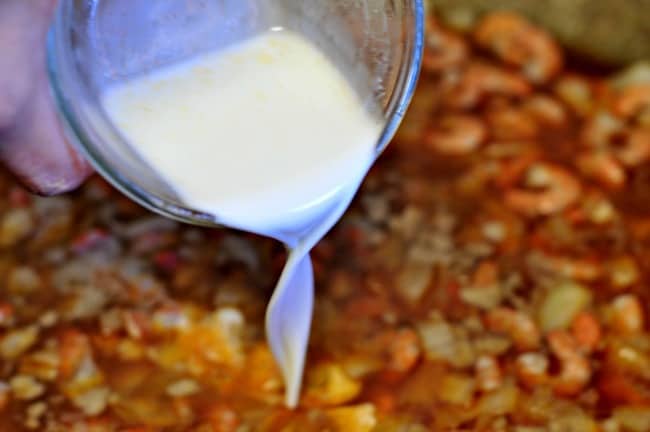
[(96, 44)]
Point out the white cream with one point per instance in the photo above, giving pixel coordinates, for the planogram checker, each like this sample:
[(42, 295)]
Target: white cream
[(269, 137)]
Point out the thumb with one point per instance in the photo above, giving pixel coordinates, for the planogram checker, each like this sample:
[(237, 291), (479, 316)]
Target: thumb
[(32, 143)]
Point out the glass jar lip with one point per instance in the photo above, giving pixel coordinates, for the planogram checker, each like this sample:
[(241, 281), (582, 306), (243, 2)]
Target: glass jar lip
[(406, 83)]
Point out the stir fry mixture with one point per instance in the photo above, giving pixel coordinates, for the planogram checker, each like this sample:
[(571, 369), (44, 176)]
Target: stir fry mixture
[(491, 276)]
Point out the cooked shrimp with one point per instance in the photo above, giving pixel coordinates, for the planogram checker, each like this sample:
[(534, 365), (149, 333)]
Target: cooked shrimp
[(635, 148), (550, 189), (602, 167), (578, 269), (633, 100), (575, 370), (586, 331), (488, 373), (546, 110), (629, 145), (74, 346), (516, 41), (577, 93), (457, 135), (518, 326), (510, 123), (403, 349), (480, 80), (599, 129), (513, 167), (532, 368), (627, 314), (444, 50)]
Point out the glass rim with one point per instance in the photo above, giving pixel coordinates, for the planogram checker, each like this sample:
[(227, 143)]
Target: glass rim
[(405, 85)]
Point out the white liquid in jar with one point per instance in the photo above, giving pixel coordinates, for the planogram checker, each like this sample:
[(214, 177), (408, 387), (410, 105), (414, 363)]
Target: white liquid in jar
[(269, 137)]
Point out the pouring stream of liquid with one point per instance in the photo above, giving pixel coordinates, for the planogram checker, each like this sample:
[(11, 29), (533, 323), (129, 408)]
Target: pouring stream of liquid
[(289, 313)]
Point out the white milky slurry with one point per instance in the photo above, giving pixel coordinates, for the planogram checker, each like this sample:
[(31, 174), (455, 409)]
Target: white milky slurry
[(269, 137), (289, 314)]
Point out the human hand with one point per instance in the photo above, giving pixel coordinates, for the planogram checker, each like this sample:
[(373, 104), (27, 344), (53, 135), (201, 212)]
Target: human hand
[(32, 143)]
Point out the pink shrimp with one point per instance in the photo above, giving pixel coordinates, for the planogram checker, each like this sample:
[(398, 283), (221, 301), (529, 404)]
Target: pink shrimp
[(575, 370), (516, 41), (550, 189), (457, 135), (518, 326)]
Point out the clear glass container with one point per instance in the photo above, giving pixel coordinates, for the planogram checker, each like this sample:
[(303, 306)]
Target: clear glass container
[(94, 44)]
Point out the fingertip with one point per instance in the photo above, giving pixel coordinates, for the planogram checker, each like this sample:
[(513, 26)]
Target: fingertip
[(38, 153), (60, 181), (43, 176)]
